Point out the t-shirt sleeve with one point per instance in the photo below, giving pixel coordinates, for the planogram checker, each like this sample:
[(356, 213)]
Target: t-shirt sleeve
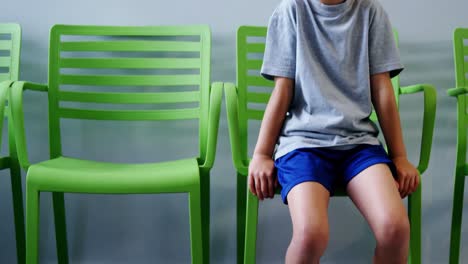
[(383, 52), (279, 59)]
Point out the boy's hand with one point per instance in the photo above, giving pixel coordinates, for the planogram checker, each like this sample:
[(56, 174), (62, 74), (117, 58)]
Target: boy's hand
[(262, 177), (407, 176)]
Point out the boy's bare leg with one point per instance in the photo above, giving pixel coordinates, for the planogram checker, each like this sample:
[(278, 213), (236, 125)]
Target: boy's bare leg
[(375, 194), (308, 206)]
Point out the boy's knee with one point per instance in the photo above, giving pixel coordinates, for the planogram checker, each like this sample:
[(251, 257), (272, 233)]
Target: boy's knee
[(393, 231), (312, 239)]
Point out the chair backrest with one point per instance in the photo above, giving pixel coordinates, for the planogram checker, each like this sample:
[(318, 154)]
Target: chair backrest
[(158, 67), (460, 49), (254, 90), (10, 46)]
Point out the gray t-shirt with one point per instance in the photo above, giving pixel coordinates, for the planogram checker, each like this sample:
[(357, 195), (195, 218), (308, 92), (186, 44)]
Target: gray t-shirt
[(330, 51)]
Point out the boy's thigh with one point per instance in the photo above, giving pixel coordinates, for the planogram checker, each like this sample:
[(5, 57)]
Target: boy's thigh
[(376, 195), (308, 206), (306, 165)]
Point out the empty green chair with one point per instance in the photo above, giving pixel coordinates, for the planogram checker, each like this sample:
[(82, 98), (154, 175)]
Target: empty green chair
[(242, 104), (10, 45), (184, 52), (460, 47)]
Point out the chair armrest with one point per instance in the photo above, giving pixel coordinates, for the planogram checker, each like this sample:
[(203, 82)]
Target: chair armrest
[(216, 93), (16, 106), (457, 91), (430, 103), (233, 124)]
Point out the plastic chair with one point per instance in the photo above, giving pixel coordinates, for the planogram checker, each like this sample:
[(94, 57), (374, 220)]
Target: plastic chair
[(250, 48), (70, 47), (460, 47), (10, 45)]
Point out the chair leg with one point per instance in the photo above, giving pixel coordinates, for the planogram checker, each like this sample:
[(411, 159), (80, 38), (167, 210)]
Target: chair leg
[(414, 212), (240, 225), (196, 240), (17, 192), (32, 225), (18, 210), (457, 212), (205, 214), (60, 227), (251, 229)]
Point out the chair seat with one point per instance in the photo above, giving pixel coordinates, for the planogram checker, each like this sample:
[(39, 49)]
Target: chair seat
[(65, 174)]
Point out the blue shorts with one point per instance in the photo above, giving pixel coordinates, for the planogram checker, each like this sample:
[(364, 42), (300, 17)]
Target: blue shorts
[(327, 166)]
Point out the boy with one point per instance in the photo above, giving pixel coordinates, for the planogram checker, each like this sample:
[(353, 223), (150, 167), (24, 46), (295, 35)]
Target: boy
[(332, 60)]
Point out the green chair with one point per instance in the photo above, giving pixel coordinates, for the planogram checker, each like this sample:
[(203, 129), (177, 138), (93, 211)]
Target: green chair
[(74, 72), (252, 88), (10, 45), (460, 47)]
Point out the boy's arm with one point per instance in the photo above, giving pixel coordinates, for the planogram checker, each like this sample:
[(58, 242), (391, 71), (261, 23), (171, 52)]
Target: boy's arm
[(262, 179), (383, 99)]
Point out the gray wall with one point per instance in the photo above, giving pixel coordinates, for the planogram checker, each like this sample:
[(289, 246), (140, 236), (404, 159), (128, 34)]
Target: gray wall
[(154, 229)]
